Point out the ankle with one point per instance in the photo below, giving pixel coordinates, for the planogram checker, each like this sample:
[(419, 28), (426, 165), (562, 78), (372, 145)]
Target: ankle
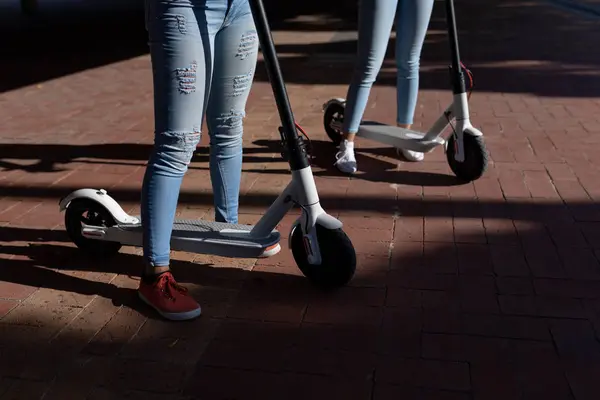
[(150, 274), (348, 137)]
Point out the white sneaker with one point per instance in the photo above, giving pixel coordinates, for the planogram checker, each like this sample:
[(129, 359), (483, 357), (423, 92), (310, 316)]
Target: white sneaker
[(411, 155), (345, 160)]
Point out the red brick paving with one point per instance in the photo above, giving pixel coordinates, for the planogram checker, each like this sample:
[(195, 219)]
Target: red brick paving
[(489, 290)]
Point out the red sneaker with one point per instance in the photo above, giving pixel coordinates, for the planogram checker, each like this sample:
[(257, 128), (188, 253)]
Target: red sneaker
[(169, 299)]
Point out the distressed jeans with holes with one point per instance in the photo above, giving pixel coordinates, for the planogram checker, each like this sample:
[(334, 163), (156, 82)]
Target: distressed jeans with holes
[(204, 54)]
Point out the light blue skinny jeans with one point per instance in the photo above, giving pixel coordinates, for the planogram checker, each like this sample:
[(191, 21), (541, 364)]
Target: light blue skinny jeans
[(204, 54), (376, 18)]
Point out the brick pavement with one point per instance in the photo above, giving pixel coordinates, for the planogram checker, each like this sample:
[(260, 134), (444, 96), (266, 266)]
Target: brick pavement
[(489, 290)]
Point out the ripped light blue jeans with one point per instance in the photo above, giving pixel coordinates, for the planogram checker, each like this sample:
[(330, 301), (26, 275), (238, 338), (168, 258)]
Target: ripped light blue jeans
[(376, 18), (204, 54)]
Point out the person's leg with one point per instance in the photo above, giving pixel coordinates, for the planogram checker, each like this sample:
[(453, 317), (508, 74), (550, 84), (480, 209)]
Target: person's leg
[(180, 44), (236, 51), (411, 27), (375, 20)]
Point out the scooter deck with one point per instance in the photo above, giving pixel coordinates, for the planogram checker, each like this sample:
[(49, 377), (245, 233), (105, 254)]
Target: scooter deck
[(198, 236), (398, 137)]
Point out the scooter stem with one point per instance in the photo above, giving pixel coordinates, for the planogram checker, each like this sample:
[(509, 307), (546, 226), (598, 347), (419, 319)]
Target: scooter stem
[(458, 79), (296, 155)]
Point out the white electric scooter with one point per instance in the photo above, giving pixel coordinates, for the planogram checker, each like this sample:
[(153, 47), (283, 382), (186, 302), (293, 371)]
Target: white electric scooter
[(465, 149), (322, 250)]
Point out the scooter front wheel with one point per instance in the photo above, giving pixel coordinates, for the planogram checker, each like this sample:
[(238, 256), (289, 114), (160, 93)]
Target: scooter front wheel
[(476, 157), (89, 212), (338, 258), (334, 113)]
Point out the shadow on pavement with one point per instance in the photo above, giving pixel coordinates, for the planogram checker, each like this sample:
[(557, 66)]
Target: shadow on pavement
[(512, 47), (436, 319), (585, 211), (66, 37), (48, 158)]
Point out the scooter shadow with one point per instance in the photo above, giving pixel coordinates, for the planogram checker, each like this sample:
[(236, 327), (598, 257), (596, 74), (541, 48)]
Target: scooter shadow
[(41, 258), (372, 165), (66, 268)]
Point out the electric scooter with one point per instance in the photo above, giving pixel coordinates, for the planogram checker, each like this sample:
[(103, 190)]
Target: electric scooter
[(465, 150), (97, 224)]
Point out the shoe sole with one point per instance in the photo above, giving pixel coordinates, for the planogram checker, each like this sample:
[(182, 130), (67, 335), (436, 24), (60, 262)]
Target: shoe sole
[(345, 171), (271, 251), (182, 316), (410, 157)]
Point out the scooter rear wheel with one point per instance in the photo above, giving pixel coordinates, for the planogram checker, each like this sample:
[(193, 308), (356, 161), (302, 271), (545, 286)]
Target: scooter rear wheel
[(334, 112), (91, 213), (476, 157), (338, 258)]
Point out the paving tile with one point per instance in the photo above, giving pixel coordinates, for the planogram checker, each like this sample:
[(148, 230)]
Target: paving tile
[(486, 290)]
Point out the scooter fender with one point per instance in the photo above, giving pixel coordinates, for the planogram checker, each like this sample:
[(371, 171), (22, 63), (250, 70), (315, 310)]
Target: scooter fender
[(325, 220), (100, 196), (471, 130), (337, 100)]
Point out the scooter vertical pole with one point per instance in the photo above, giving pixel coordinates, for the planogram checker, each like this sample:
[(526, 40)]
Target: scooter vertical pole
[(458, 80), (297, 158)]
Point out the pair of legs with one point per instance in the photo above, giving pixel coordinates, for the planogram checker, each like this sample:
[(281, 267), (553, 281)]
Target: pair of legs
[(204, 54), (376, 18)]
